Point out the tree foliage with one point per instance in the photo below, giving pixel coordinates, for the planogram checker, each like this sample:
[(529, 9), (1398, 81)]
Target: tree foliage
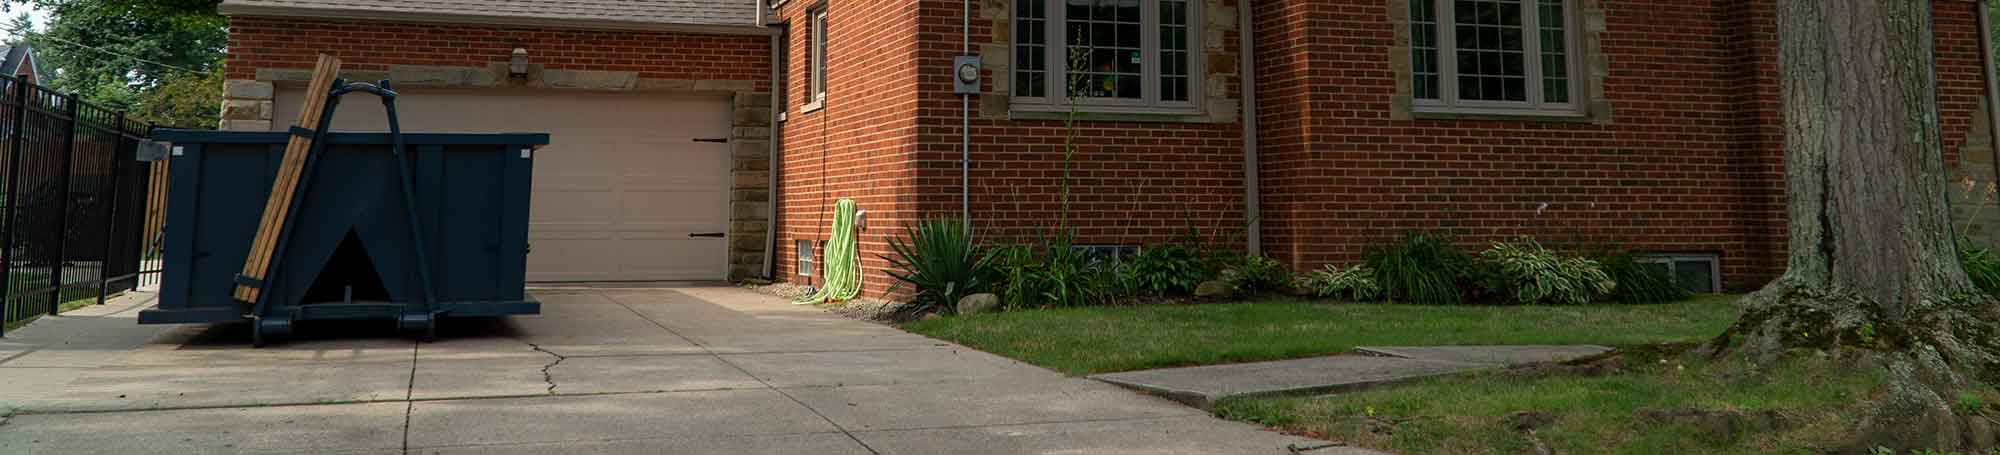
[(158, 59)]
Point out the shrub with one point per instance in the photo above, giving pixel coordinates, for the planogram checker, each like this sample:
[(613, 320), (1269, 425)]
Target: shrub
[(1421, 268), (938, 260), (1638, 282), (1531, 274), (1051, 274), (1981, 265), (1355, 283), (1256, 273), (1165, 269)]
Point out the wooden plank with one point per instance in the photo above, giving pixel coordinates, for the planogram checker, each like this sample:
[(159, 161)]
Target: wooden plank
[(276, 209), (156, 205)]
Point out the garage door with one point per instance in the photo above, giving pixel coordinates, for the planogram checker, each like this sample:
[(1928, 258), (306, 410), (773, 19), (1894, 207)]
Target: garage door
[(623, 192)]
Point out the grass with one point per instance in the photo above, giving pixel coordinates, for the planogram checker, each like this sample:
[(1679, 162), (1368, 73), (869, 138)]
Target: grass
[(1593, 414), (66, 307), (1093, 340)]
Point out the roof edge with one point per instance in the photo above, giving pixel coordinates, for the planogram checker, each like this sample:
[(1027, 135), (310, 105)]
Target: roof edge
[(475, 19)]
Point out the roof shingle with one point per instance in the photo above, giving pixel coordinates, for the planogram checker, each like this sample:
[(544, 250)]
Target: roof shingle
[(638, 12)]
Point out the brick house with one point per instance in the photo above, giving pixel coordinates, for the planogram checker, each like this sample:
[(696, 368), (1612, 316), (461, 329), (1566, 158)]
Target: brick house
[(1651, 125)]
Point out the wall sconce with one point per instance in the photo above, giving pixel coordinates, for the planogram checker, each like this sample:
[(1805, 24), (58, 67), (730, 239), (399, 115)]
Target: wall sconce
[(517, 66)]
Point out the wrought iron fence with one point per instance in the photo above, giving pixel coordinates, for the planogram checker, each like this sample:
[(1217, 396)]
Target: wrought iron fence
[(74, 201)]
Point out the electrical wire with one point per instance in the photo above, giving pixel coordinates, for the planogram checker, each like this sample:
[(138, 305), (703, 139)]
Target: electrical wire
[(36, 36)]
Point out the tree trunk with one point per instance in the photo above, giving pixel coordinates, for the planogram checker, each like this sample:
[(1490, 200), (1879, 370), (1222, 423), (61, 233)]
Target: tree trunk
[(1873, 264)]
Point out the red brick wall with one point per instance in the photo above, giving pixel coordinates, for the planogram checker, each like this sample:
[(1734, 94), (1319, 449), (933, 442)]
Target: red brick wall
[(266, 42), (1691, 160), (1131, 182), (861, 143), (893, 145)]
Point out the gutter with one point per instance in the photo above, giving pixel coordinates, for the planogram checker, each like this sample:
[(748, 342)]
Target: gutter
[(777, 113), (232, 9), (1992, 83), (1247, 77), (965, 124)]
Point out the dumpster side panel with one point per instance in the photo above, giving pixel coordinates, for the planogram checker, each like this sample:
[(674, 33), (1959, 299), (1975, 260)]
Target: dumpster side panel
[(472, 197), (209, 227)]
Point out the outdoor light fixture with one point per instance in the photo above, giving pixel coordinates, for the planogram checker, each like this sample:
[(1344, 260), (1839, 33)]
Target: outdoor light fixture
[(517, 66)]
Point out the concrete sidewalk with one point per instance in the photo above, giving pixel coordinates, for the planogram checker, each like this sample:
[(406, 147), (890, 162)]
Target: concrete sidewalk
[(686, 370)]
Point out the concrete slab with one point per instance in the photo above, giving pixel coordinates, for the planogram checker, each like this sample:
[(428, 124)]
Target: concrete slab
[(796, 444), (1494, 355), (1202, 386), (200, 385), (256, 430), (786, 370), (576, 327), (523, 376), (891, 407), (609, 417), (1195, 435)]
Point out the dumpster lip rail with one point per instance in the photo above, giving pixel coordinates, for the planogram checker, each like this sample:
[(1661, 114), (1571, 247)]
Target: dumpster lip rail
[(364, 138)]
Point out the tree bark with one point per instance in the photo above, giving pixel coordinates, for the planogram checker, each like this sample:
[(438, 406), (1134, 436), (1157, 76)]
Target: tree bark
[(1873, 267)]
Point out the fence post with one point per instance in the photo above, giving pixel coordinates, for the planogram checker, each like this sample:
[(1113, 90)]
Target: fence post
[(117, 175), (62, 202), (15, 139)]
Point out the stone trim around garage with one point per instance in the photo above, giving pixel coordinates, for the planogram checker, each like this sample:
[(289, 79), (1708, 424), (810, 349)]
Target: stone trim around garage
[(1595, 66), (247, 107), (1220, 66)]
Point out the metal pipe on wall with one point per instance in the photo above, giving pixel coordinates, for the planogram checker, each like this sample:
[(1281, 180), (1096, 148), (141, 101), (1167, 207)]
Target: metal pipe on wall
[(965, 124), (1247, 75), (1992, 83)]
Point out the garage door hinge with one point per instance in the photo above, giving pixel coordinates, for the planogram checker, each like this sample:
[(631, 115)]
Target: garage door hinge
[(718, 140)]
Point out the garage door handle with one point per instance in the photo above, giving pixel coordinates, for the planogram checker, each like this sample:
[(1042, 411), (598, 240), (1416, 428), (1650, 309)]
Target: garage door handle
[(707, 235), (717, 140)]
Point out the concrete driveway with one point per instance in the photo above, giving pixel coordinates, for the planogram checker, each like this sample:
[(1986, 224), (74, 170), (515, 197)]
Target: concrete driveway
[(684, 370)]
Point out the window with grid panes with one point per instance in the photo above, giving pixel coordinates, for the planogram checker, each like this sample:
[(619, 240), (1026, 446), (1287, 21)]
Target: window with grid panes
[(1110, 55), (1493, 56)]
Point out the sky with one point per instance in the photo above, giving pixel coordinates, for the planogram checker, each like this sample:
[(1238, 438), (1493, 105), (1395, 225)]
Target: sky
[(39, 16)]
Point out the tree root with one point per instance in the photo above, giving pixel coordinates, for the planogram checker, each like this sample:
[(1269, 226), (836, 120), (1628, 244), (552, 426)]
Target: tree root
[(1928, 359)]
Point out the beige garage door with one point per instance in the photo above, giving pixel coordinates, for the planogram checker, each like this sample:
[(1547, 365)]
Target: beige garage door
[(622, 193)]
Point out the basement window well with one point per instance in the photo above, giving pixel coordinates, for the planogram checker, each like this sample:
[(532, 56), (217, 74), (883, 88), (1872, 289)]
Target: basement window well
[(1698, 273)]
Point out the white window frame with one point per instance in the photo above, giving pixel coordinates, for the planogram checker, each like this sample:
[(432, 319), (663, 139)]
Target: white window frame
[(807, 257), (1056, 86), (1447, 65), (815, 60)]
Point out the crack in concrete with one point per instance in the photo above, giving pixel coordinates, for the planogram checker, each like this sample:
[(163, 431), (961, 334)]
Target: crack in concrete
[(546, 376)]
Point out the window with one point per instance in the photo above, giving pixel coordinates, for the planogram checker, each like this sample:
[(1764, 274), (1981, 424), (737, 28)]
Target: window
[(1696, 273), (1111, 55), (1493, 56), (816, 52), (805, 248)]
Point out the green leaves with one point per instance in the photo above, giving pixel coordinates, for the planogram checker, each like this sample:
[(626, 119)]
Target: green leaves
[(937, 259), (1356, 283), (1422, 269), (1638, 282), (1169, 269), (1536, 275)]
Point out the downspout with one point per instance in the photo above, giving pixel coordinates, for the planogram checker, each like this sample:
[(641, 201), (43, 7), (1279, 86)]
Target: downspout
[(771, 203), (1992, 84), (1247, 75), (965, 124)]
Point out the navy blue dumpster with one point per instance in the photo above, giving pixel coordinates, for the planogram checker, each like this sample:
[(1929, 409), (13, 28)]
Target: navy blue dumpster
[(351, 252)]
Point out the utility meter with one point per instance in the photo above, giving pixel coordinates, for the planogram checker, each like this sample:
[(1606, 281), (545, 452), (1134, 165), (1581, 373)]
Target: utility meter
[(965, 77)]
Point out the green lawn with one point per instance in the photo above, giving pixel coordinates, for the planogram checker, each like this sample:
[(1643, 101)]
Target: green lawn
[(1106, 339), (1592, 414), (65, 307)]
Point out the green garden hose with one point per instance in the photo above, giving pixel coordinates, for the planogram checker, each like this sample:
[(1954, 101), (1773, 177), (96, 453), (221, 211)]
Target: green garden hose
[(843, 265)]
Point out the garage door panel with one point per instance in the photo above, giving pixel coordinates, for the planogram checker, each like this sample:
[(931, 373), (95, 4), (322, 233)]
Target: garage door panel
[(695, 211), (617, 191), (661, 254)]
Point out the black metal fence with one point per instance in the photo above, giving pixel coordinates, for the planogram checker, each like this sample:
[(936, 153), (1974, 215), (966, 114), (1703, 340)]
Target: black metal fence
[(73, 204)]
